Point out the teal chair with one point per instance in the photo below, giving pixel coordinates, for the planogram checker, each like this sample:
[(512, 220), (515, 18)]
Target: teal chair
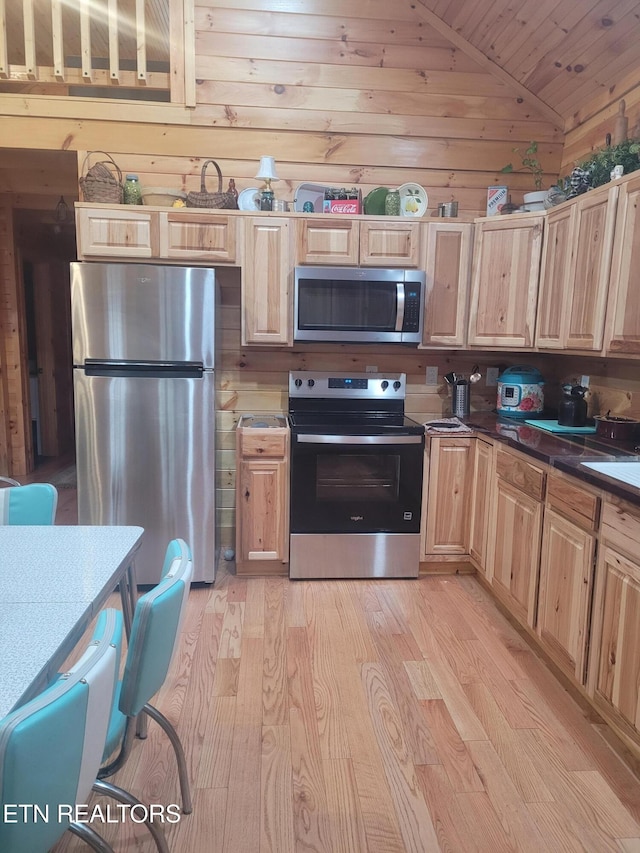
[(155, 634), (51, 747), (34, 503)]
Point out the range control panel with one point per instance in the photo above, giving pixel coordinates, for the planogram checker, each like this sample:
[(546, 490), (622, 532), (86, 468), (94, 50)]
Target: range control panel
[(312, 384)]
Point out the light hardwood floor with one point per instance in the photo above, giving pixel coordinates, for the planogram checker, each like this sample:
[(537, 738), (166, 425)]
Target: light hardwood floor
[(374, 716), (382, 716)]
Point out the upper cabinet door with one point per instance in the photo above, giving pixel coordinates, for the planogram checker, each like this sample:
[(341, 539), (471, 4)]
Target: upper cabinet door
[(623, 317), (504, 289), (119, 232), (447, 263), (575, 272), (595, 215), (198, 236), (266, 282), (555, 297), (384, 244), (327, 240)]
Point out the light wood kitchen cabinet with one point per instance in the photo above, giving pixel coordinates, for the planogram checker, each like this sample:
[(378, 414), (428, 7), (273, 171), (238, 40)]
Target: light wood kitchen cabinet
[(566, 574), (189, 236), (575, 272), (615, 644), (386, 244), (481, 495), (504, 285), (623, 313), (446, 259), (348, 242), (446, 496), (614, 658), (266, 290), (554, 296), (118, 231), (131, 232), (515, 532), (262, 500)]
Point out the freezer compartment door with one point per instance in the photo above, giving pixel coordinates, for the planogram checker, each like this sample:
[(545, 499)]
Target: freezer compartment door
[(146, 455), (142, 312)]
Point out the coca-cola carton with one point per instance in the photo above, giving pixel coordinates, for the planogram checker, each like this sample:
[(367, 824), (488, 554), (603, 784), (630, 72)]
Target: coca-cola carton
[(350, 206)]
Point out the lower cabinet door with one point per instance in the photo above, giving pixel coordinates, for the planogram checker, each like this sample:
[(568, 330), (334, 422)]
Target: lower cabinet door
[(261, 512), (564, 597), (481, 505), (516, 550), (614, 666), (447, 496)]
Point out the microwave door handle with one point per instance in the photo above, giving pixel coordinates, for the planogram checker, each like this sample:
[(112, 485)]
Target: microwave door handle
[(400, 302)]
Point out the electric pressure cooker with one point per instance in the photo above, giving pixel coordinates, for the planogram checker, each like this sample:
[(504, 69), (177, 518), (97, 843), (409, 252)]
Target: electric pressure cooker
[(520, 393)]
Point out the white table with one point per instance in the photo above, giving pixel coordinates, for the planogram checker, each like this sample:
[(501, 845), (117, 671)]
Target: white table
[(53, 581)]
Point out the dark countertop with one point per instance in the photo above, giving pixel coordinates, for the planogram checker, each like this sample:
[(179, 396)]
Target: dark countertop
[(564, 452)]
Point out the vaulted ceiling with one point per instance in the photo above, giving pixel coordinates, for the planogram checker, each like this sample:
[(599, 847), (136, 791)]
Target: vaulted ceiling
[(566, 53)]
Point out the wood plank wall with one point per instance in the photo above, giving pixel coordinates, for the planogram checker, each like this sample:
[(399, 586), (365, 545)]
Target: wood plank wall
[(340, 92), (588, 127)]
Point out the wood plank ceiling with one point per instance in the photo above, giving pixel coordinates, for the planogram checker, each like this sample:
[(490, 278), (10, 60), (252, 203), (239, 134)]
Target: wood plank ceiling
[(565, 53)]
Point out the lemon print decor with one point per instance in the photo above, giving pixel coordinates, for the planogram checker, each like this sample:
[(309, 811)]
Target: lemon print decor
[(412, 203), (413, 200)]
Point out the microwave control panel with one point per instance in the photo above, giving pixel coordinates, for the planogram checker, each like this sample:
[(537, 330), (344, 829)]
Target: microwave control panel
[(411, 321)]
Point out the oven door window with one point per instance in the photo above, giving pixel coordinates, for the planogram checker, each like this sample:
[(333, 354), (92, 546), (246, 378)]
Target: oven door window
[(356, 489), (340, 306), (348, 477)]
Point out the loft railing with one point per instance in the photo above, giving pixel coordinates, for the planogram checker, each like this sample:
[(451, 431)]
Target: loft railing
[(116, 48)]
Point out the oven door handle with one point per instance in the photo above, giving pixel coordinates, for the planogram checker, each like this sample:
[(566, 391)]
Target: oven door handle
[(400, 303), (359, 439)]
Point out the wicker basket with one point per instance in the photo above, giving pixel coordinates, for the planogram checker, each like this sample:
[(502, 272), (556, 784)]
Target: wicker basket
[(203, 198), (103, 181)]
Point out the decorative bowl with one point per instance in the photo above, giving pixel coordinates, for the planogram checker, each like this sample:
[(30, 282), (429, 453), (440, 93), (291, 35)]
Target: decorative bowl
[(161, 196)]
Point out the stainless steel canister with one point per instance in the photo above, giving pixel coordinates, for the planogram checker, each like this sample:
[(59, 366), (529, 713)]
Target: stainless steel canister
[(448, 209), (460, 398)]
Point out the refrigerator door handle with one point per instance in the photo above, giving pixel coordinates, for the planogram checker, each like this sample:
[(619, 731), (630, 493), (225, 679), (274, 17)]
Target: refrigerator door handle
[(147, 369)]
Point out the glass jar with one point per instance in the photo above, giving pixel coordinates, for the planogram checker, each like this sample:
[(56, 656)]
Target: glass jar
[(392, 203), (132, 190), (266, 199)]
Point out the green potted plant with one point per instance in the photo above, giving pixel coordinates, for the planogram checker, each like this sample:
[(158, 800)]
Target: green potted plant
[(530, 163), (602, 162)]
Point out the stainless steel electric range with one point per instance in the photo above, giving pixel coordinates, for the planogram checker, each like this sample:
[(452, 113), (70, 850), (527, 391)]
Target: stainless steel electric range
[(356, 477)]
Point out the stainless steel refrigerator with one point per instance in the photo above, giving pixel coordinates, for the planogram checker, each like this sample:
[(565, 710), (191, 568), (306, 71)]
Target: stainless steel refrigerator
[(144, 390)]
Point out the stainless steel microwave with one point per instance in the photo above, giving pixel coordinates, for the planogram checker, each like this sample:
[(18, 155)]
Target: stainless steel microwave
[(358, 304)]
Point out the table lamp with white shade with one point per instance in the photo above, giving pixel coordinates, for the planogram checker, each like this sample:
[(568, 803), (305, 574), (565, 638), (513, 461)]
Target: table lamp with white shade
[(267, 171)]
